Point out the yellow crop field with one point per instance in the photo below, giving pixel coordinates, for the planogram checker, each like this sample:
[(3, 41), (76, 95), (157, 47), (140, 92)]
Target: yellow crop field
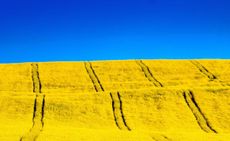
[(135, 100)]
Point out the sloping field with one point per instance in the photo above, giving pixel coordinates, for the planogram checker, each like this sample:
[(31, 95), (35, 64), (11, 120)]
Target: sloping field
[(139, 100)]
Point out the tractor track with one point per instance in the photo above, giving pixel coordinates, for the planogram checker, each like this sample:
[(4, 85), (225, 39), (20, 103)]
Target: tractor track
[(148, 73), (115, 97), (204, 70), (207, 73), (160, 138), (37, 86), (39, 107), (195, 109), (94, 78), (118, 111)]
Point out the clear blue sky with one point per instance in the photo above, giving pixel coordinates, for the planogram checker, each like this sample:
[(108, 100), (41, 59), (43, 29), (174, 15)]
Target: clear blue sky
[(73, 30)]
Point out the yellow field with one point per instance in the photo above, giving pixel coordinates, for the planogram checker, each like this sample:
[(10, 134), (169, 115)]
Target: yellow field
[(135, 100)]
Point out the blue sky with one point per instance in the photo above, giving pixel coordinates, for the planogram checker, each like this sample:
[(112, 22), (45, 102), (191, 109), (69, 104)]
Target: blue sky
[(74, 30)]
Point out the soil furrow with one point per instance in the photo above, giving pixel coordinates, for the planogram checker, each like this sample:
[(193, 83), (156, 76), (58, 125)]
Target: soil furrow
[(39, 107), (148, 74), (118, 111), (201, 119), (96, 82)]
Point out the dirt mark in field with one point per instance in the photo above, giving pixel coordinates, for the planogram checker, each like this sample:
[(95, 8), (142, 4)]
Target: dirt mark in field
[(148, 73), (118, 111), (96, 82), (194, 107), (39, 107)]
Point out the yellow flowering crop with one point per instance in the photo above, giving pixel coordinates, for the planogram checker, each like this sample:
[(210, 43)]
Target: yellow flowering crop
[(135, 100)]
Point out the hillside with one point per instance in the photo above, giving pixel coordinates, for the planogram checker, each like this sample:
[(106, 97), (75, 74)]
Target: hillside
[(138, 100)]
